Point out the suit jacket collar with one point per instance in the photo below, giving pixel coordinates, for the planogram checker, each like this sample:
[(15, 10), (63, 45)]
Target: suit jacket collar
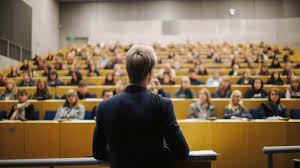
[(135, 88)]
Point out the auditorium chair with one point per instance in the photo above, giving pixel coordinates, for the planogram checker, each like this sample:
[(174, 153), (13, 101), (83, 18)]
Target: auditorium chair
[(2, 114), (255, 113), (88, 115), (36, 115), (295, 113), (50, 114)]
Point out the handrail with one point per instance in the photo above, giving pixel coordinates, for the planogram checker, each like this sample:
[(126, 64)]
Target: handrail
[(200, 156), (278, 149)]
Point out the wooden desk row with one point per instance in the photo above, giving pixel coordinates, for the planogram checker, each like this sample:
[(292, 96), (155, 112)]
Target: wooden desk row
[(181, 106), (240, 143)]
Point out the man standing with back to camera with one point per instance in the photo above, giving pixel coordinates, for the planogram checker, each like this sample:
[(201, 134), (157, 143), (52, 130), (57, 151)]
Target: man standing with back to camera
[(137, 128)]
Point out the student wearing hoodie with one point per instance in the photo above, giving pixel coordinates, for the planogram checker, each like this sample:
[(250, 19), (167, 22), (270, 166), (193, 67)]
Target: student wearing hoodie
[(257, 90)]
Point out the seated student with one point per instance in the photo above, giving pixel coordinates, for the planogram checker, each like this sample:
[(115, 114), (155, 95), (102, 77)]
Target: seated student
[(276, 50), (287, 68), (167, 79), (109, 79), (83, 91), (235, 70), (294, 90), (185, 91), (110, 65), (218, 59), (26, 80), (289, 77), (120, 86), (76, 78), (93, 71), (214, 80), (224, 89), (103, 61), (273, 108), (53, 79), (42, 92), (275, 79), (246, 79), (264, 70), (118, 70), (106, 94), (13, 72), (286, 58), (235, 109), (71, 110), (202, 108), (46, 72), (23, 110), (275, 63), (167, 68), (259, 58), (193, 79), (2, 81), (257, 90), (72, 69), (155, 87), (10, 91), (297, 66), (25, 65), (202, 70)]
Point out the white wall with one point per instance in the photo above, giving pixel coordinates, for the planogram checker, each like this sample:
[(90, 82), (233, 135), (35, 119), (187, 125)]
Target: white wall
[(5, 62), (274, 21), (45, 21)]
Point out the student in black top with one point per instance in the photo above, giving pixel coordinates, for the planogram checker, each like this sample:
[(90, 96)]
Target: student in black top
[(93, 71), (26, 80), (264, 70), (25, 65), (83, 92), (2, 81), (273, 108), (109, 79), (202, 70), (76, 78), (259, 58), (298, 64), (23, 110), (224, 89), (42, 92), (275, 79), (287, 68), (53, 79), (193, 79), (257, 90), (289, 76), (246, 79), (275, 63), (13, 72)]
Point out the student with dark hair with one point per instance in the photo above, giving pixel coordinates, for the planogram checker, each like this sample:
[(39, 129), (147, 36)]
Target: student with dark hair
[(83, 92), (289, 77), (13, 72), (93, 71), (106, 94), (275, 63), (286, 69), (273, 108), (25, 65), (26, 80), (193, 79), (224, 89), (42, 92), (109, 79), (53, 79), (167, 79), (264, 70), (23, 110), (257, 90), (76, 78), (246, 79), (202, 70), (275, 79), (185, 91)]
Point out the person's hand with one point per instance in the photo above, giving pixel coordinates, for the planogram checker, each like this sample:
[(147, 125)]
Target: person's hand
[(236, 118)]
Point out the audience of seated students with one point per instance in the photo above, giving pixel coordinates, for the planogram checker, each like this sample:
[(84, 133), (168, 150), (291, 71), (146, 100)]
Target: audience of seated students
[(193, 78), (155, 87), (235, 109), (246, 79), (235, 70), (297, 66), (120, 86), (224, 89), (25, 65), (202, 108), (275, 63), (53, 79), (166, 79), (93, 71), (13, 72), (286, 69), (109, 79), (83, 92), (42, 91), (23, 110), (2, 81), (71, 110), (118, 70), (289, 77), (110, 64), (264, 70), (202, 70), (214, 80), (10, 91), (167, 68), (103, 61), (257, 90), (273, 108), (275, 79), (76, 78), (294, 90), (184, 91), (26, 80)]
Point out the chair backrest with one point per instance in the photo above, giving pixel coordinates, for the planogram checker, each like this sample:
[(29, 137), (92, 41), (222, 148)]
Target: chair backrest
[(36, 115), (2, 114), (88, 115), (49, 115), (295, 113), (255, 113), (93, 95)]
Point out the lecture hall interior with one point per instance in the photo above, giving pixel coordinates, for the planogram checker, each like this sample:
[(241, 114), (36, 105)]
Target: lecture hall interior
[(230, 67)]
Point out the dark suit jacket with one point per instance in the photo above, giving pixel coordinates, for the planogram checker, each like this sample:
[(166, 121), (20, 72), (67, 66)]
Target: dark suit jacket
[(138, 129)]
